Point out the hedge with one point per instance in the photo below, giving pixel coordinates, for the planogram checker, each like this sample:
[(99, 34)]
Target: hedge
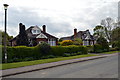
[(97, 48), (23, 53)]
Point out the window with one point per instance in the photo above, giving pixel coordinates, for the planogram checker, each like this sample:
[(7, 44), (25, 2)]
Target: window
[(34, 31), (38, 31)]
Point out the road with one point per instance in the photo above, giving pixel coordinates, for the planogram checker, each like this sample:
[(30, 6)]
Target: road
[(98, 68)]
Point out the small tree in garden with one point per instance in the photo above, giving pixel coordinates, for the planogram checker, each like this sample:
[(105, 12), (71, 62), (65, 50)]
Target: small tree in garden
[(77, 41), (66, 42), (44, 48), (103, 42)]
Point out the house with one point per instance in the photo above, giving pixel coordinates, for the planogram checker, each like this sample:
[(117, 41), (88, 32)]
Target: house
[(85, 36), (36, 36)]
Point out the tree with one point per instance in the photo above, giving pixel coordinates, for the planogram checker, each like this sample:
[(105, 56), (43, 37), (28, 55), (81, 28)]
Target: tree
[(22, 39), (116, 34), (108, 26), (116, 38), (99, 31), (8, 37)]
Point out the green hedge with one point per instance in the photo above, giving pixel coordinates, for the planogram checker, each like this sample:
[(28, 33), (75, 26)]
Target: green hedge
[(61, 50), (23, 53), (97, 48)]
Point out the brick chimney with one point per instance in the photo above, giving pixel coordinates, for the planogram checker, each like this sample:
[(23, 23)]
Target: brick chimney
[(44, 28), (75, 33), (21, 28)]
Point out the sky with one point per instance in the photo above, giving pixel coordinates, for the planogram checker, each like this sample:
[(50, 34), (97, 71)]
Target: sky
[(59, 16)]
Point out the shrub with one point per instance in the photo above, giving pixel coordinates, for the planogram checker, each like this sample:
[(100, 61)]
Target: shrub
[(97, 48), (104, 44), (113, 49), (77, 41), (44, 48), (66, 42), (116, 45), (90, 48), (58, 50)]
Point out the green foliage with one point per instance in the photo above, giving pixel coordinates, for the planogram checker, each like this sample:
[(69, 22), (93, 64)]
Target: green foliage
[(90, 48), (101, 46), (116, 34), (44, 48), (77, 41), (60, 40), (116, 45), (35, 62), (98, 31), (68, 50), (103, 42), (97, 48), (66, 42), (20, 53), (22, 38), (42, 51), (58, 50), (8, 37), (113, 49)]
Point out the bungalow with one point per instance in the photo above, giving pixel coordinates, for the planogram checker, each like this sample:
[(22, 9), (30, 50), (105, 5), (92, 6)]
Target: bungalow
[(36, 36), (85, 36)]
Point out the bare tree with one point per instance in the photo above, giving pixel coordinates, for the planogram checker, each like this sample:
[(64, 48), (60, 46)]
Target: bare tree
[(108, 25)]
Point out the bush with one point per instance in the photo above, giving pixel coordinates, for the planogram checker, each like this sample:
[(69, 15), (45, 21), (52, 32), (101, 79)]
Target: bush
[(66, 42), (58, 50), (113, 49), (77, 41), (116, 45), (104, 44), (90, 48), (44, 48), (97, 48)]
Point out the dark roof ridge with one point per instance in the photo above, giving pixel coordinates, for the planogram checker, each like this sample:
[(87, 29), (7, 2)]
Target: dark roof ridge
[(48, 35)]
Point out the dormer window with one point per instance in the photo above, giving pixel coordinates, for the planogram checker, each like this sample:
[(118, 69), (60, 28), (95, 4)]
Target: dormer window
[(35, 31)]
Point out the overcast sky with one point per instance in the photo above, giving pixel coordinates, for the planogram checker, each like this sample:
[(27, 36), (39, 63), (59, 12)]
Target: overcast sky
[(60, 16)]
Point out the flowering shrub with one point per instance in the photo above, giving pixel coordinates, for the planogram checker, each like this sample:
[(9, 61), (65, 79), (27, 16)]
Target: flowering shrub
[(66, 42)]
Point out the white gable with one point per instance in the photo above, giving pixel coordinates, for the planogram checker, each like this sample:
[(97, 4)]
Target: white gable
[(36, 30), (87, 37), (41, 35)]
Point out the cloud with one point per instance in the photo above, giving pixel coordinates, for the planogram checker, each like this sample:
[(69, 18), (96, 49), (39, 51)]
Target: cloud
[(60, 18), (29, 18)]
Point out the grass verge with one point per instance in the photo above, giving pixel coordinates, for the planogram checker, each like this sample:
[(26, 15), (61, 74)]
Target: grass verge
[(111, 52), (28, 63)]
